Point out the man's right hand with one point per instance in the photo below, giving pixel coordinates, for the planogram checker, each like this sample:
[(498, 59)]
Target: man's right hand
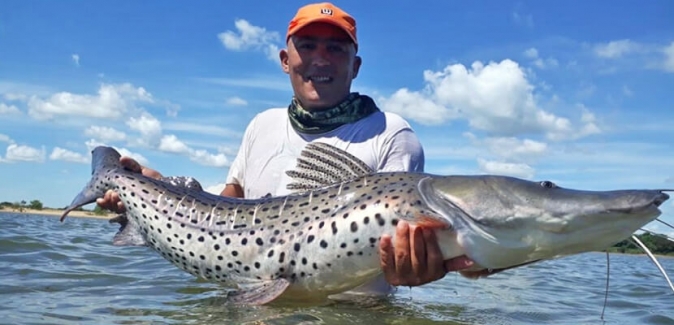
[(110, 201)]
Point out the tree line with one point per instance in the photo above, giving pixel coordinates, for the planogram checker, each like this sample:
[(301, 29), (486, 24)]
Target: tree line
[(37, 205), (657, 244), (20, 206)]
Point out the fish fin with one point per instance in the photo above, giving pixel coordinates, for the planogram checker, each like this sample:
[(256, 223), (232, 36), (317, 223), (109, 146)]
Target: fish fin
[(183, 181), (321, 164), (431, 222), (259, 293), (103, 159), (128, 234)]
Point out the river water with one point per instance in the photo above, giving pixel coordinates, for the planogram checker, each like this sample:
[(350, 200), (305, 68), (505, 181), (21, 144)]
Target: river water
[(69, 273)]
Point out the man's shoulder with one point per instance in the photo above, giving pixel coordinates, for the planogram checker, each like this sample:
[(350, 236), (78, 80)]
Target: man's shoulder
[(388, 120), (273, 112), (270, 115), (396, 120)]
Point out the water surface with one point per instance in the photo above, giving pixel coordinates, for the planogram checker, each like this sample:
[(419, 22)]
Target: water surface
[(69, 273)]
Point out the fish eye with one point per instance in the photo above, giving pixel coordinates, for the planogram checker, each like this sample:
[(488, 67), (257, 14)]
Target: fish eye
[(548, 184)]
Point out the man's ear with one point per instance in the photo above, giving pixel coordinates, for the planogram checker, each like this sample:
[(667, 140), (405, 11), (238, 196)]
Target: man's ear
[(357, 61), (283, 56)]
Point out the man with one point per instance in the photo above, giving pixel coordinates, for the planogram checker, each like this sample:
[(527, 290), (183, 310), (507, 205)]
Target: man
[(321, 61)]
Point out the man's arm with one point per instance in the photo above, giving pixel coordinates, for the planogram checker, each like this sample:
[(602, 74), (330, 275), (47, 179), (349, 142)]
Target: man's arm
[(232, 190)]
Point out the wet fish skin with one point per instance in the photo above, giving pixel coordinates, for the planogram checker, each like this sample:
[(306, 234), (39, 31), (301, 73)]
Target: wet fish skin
[(324, 240)]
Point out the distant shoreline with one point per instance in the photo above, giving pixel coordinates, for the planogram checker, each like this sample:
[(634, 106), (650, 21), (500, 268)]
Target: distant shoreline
[(59, 212)]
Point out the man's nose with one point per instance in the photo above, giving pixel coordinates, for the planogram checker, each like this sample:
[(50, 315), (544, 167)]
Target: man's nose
[(320, 56)]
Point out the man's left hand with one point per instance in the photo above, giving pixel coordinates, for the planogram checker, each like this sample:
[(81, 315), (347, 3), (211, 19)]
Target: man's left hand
[(415, 259)]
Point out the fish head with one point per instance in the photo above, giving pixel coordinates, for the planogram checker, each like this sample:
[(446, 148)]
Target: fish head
[(503, 222)]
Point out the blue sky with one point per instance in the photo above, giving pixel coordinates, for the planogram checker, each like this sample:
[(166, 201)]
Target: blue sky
[(579, 93)]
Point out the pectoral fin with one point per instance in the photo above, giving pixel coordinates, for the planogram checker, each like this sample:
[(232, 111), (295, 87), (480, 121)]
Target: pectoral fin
[(259, 293), (129, 232)]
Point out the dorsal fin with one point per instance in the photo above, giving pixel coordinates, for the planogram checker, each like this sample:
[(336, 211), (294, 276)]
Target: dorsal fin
[(321, 164)]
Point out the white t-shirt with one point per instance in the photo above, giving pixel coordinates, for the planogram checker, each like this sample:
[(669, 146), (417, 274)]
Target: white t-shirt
[(383, 140)]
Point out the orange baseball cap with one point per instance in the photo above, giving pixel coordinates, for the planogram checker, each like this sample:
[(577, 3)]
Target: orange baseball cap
[(323, 12)]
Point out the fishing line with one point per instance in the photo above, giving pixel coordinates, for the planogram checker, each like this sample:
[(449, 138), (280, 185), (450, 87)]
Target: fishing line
[(652, 257), (666, 224), (657, 234), (608, 267)]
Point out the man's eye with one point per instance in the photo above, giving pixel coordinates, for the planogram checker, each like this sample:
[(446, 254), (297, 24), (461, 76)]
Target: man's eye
[(307, 46), (336, 48)]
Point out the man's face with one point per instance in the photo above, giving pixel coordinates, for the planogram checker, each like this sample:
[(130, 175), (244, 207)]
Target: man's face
[(321, 62)]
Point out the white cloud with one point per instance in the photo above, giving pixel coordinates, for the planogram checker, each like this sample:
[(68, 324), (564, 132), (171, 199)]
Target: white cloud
[(517, 149), (92, 143), (249, 36), (496, 98), (8, 109), (616, 49), (417, 106), (539, 62), (586, 89), (5, 138), (67, 155), (202, 157), (236, 101), (531, 53), (215, 189), (503, 168), (111, 101), (76, 59), (138, 157), (261, 82), (15, 97), (627, 91), (24, 153), (104, 133), (148, 126), (201, 129), (170, 143), (546, 63), (669, 57), (523, 19)]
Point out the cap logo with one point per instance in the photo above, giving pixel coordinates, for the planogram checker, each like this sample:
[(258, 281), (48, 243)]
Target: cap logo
[(326, 11)]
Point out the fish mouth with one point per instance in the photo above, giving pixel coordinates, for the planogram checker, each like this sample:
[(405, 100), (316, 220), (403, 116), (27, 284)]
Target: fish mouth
[(661, 198), (651, 207)]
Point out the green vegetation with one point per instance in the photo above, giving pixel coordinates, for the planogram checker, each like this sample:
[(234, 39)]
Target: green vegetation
[(99, 211), (35, 205), (659, 245), (16, 206), (38, 205)]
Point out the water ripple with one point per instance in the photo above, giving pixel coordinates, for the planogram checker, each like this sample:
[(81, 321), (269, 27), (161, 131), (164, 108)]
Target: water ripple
[(55, 272)]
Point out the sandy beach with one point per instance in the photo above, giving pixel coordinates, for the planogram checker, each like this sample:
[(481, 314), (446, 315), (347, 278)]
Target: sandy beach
[(58, 212)]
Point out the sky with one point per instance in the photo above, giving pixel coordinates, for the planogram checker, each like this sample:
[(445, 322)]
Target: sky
[(577, 93)]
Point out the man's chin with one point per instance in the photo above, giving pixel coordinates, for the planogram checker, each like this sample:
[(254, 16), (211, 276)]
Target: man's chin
[(317, 103)]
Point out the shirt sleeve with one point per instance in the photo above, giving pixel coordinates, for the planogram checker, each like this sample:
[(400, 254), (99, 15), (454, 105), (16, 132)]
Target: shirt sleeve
[(402, 152)]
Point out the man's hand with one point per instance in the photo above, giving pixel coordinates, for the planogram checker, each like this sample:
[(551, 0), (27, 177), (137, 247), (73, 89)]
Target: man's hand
[(110, 201), (416, 258)]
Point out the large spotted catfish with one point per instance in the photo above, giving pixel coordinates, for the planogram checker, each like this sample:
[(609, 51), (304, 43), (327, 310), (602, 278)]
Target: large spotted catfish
[(324, 239)]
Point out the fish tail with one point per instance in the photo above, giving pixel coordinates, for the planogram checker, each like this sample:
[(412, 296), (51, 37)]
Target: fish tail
[(103, 160)]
